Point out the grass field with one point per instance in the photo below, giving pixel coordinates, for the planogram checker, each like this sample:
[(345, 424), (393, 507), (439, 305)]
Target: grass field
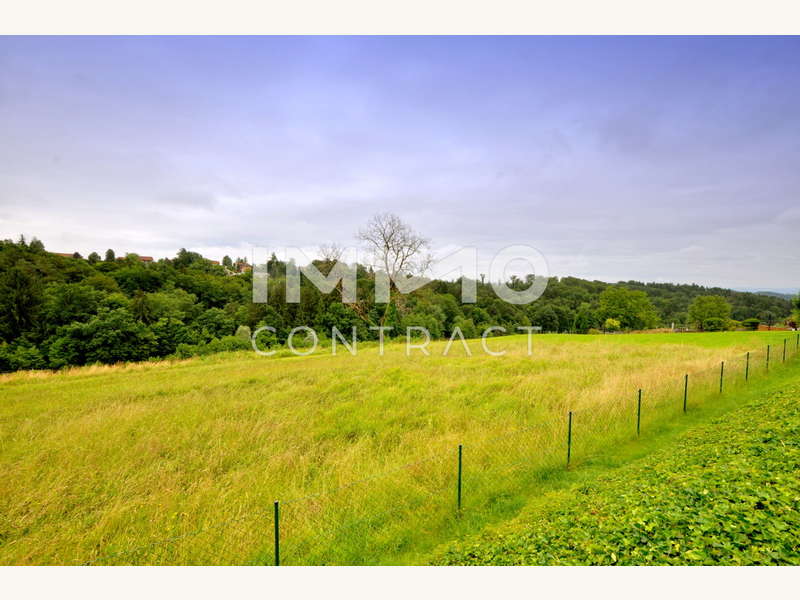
[(161, 463), (726, 493)]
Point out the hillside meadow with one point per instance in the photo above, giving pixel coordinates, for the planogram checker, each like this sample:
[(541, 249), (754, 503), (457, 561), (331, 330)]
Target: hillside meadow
[(180, 462)]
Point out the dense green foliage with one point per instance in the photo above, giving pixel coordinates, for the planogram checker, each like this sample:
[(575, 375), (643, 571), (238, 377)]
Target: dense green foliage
[(709, 313), (631, 309), (727, 494), (57, 311)]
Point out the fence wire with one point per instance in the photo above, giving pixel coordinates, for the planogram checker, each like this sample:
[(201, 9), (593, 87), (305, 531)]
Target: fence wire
[(389, 517)]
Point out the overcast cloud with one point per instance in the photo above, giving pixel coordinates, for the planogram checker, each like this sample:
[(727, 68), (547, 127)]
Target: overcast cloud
[(660, 159)]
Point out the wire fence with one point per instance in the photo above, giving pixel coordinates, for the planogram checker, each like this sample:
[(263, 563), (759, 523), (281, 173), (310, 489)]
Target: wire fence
[(399, 514)]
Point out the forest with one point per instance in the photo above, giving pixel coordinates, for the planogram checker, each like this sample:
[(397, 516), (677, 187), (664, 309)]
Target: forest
[(58, 311)]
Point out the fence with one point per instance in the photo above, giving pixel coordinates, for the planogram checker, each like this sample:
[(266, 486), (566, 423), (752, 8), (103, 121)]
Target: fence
[(394, 516)]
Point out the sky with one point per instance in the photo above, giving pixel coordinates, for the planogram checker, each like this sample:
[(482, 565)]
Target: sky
[(618, 158)]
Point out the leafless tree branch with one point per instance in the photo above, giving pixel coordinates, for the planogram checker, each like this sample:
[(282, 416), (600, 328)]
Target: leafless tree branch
[(396, 248)]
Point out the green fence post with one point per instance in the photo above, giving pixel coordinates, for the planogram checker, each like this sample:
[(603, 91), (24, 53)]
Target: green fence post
[(460, 452), (685, 390), (639, 413), (277, 511), (784, 350), (767, 358), (721, 374), (797, 342), (569, 438), (747, 368)]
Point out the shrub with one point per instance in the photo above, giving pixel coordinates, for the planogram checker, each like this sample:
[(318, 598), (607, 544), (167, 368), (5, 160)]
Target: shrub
[(715, 324), (187, 350), (214, 323), (21, 358), (584, 319), (751, 324), (229, 343), (467, 327), (111, 336), (546, 318), (170, 333), (421, 320), (265, 340)]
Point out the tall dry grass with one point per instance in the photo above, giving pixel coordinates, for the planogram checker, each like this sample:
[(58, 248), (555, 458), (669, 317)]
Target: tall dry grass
[(180, 462)]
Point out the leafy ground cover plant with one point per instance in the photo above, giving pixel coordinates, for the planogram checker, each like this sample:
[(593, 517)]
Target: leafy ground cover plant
[(726, 494)]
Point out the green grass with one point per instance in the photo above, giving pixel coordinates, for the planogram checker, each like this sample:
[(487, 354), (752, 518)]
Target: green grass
[(179, 463), (725, 493)]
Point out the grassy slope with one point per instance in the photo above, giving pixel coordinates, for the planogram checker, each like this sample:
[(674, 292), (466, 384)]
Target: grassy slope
[(726, 492), (105, 459)]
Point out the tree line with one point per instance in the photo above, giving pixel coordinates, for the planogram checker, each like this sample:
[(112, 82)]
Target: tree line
[(58, 311)]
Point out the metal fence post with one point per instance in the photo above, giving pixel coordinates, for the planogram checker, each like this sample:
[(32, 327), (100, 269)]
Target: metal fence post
[(639, 413), (784, 350), (685, 390), (721, 374), (747, 368), (768, 358), (277, 511), (569, 437), (460, 453)]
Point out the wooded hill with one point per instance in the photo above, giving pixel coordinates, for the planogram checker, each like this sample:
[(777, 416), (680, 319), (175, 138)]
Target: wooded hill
[(60, 310)]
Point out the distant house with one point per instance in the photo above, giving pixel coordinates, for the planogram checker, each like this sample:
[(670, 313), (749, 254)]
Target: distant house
[(144, 259), (238, 267), (213, 262)]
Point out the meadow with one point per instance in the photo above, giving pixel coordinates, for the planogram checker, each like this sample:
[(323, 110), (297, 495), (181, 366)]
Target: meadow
[(180, 462)]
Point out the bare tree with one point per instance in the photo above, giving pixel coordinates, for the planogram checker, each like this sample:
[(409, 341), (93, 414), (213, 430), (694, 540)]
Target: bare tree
[(396, 248), (331, 253)]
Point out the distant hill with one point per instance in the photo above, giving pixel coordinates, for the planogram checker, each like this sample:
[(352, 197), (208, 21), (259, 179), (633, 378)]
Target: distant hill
[(785, 293), (777, 295)]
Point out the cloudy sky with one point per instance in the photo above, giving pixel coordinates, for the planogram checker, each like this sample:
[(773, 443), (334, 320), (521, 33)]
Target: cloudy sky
[(656, 159)]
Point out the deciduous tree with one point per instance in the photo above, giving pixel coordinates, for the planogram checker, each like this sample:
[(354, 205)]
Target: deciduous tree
[(703, 308)]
